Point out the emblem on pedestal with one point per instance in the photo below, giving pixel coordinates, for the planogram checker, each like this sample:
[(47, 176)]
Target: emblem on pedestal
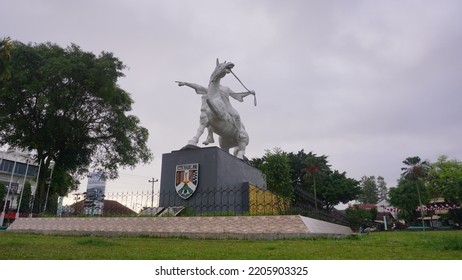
[(186, 179)]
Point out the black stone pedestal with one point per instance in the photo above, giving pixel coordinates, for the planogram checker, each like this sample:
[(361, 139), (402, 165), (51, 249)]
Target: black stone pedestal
[(222, 181)]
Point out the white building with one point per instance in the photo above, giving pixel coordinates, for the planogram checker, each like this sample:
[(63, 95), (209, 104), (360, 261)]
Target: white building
[(384, 207), (16, 168)]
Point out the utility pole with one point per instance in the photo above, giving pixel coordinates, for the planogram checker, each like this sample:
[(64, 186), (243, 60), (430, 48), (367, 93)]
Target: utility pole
[(2, 216), (152, 192)]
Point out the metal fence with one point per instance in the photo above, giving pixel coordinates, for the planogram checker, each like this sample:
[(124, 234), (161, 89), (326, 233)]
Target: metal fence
[(248, 200), (245, 200)]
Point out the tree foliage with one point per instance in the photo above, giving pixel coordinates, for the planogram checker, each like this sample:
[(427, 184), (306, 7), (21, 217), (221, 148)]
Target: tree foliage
[(445, 180), (338, 189), (310, 171), (356, 216), (372, 189), (411, 190), (306, 166), (276, 169), (405, 197), (66, 105), (6, 47), (382, 190), (415, 169), (307, 169), (369, 190)]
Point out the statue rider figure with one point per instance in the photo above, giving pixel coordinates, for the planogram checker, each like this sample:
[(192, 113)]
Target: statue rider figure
[(226, 92)]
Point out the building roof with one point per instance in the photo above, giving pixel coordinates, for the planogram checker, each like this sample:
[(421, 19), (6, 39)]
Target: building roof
[(365, 206), (111, 208)]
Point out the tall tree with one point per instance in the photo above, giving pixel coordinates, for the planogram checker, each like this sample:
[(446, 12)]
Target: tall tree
[(338, 188), (369, 190), (307, 169), (445, 180), (382, 190), (317, 169), (372, 189), (416, 171), (66, 105)]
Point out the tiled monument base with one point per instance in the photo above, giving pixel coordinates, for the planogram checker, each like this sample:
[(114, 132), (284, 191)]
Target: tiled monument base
[(243, 227)]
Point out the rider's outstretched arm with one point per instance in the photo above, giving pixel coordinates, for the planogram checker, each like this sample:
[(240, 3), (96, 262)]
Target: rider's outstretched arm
[(198, 88)]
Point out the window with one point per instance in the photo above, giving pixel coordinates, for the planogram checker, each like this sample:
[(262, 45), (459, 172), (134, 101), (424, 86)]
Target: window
[(6, 166)]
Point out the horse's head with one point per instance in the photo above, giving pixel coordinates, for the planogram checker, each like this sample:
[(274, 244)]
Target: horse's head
[(221, 70)]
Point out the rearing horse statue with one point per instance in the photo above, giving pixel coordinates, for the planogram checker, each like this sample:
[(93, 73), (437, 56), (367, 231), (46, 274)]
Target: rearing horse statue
[(218, 115)]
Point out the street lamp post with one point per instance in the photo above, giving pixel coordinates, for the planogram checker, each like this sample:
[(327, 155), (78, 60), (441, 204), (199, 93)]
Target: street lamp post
[(22, 191), (385, 226), (34, 190), (152, 191), (2, 216), (49, 185)]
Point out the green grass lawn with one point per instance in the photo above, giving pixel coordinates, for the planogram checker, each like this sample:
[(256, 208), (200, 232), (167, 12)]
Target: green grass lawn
[(441, 245)]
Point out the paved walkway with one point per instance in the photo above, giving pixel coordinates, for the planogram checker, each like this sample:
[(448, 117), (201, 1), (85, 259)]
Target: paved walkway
[(246, 227)]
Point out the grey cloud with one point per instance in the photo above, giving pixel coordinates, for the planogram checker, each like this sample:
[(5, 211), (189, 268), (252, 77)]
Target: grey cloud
[(366, 83)]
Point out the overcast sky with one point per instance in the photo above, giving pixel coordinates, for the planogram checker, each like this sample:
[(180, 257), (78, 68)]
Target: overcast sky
[(367, 83)]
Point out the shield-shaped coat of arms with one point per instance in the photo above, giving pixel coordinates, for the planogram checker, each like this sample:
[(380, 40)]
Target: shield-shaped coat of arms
[(186, 179)]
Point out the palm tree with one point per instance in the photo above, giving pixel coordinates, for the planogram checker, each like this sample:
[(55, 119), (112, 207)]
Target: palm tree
[(316, 166), (416, 171), (313, 169)]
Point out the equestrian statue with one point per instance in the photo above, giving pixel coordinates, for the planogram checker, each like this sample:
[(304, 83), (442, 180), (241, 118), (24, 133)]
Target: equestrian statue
[(217, 113)]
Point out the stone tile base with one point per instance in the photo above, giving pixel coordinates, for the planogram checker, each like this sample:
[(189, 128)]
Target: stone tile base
[(242, 227)]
